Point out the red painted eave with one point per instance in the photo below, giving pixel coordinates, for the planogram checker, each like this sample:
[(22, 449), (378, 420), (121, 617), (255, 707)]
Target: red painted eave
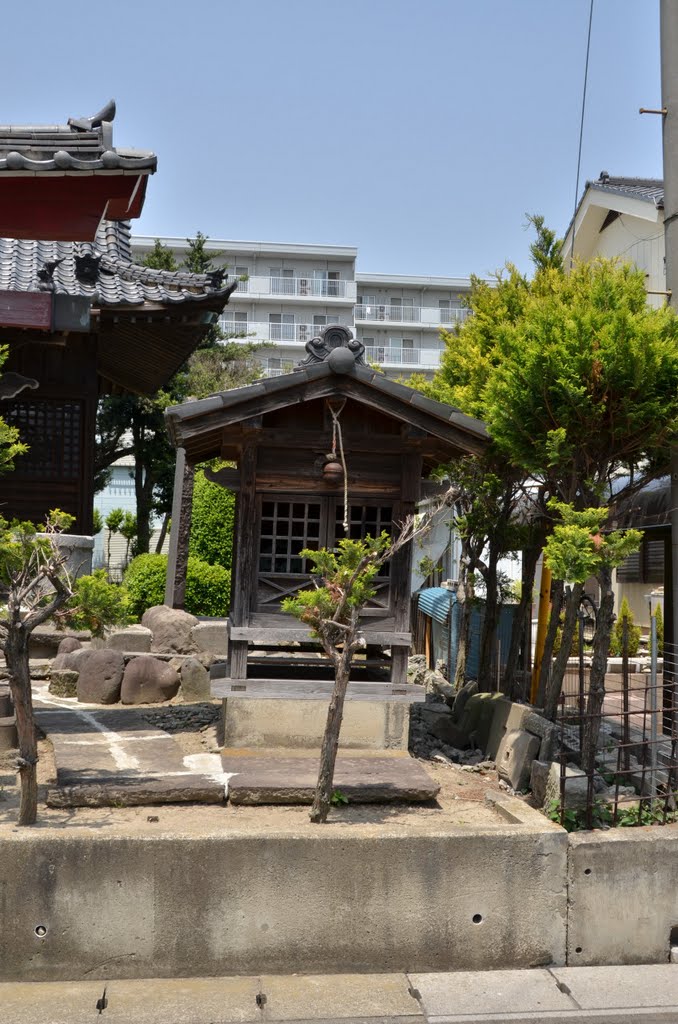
[(67, 208)]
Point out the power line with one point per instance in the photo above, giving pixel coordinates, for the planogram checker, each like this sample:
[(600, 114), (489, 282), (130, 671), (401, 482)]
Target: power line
[(581, 132)]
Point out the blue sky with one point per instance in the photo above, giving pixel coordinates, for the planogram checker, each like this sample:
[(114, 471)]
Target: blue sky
[(420, 132)]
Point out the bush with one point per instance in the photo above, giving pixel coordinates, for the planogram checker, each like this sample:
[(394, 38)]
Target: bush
[(95, 603), (145, 582), (212, 522), (616, 640), (208, 587), (658, 614)]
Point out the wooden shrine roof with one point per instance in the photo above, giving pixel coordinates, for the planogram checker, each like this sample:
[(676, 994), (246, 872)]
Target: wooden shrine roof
[(200, 426)]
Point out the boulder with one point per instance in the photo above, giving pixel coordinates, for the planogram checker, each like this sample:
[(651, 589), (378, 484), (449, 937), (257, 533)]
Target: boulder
[(195, 681), (63, 682), (466, 691), (171, 629), (149, 681), (517, 751), (99, 676), (68, 645)]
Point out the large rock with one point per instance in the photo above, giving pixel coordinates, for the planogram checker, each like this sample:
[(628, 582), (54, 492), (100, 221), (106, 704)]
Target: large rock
[(195, 681), (63, 682), (68, 645), (171, 629), (99, 676), (516, 753), (149, 681)]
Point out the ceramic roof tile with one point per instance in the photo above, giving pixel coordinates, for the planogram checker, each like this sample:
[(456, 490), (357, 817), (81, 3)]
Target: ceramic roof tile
[(81, 145), (115, 281)]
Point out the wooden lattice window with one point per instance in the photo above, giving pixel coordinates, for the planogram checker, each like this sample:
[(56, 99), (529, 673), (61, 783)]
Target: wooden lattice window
[(53, 432), (286, 528), (364, 520)]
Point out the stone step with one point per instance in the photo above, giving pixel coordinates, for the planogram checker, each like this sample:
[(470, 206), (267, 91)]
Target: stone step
[(260, 778), (8, 734), (133, 791)]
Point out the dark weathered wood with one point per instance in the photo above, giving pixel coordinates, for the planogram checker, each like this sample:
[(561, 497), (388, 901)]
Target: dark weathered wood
[(243, 586), (180, 533), (226, 477), (272, 634), (313, 689), (401, 563), (399, 660), (237, 658)]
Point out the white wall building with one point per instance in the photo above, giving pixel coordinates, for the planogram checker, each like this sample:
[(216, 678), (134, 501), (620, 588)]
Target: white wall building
[(290, 291)]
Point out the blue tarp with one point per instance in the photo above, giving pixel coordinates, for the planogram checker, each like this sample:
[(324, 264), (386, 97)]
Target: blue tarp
[(436, 603)]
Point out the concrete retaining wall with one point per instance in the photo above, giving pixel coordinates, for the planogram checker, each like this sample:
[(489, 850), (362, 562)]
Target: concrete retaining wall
[(623, 896), (345, 899)]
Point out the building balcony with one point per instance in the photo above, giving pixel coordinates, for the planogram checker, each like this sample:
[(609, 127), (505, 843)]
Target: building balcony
[(313, 288), (252, 330), (422, 316), (407, 358)]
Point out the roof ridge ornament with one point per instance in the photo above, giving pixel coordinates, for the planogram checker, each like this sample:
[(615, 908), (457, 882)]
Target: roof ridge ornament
[(88, 124), (336, 346)]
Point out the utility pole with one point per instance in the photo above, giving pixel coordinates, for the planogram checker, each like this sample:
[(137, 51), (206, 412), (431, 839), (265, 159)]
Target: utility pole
[(669, 72)]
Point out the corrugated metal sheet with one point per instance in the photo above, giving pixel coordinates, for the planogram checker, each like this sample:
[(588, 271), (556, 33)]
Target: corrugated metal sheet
[(436, 603)]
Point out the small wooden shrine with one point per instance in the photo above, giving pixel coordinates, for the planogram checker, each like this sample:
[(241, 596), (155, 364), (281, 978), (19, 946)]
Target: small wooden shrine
[(79, 318), (282, 434)]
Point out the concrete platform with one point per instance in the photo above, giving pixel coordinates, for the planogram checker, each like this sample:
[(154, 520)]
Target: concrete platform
[(607, 995), (297, 720), (278, 779)]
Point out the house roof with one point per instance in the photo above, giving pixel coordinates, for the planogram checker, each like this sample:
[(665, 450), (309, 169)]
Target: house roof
[(197, 426), (103, 272), (83, 144), (649, 190)]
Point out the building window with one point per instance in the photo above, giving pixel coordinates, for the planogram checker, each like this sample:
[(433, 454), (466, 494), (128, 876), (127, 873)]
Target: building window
[(281, 326), (235, 322)]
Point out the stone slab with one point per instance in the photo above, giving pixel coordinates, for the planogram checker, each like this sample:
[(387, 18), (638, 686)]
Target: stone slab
[(370, 724), (618, 988), (313, 689), (132, 791), (292, 780)]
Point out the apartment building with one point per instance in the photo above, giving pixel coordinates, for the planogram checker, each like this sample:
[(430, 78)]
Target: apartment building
[(288, 292)]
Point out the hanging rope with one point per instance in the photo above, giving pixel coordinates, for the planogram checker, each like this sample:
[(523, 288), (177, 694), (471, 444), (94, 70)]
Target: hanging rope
[(337, 437)]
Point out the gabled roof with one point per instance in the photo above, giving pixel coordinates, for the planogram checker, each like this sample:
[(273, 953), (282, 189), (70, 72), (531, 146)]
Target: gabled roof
[(649, 190), (195, 424), (103, 272)]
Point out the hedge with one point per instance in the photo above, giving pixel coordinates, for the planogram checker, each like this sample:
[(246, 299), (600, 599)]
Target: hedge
[(208, 587)]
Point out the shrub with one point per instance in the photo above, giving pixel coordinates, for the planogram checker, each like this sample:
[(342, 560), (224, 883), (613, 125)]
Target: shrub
[(208, 587), (659, 616), (616, 640), (95, 603), (212, 522), (145, 582)]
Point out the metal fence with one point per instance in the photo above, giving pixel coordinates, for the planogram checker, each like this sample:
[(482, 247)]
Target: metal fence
[(632, 777)]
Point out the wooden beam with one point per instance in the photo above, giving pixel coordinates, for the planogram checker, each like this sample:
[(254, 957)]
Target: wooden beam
[(180, 532), (244, 582)]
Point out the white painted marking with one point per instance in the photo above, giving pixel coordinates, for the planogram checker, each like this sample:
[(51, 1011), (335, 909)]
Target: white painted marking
[(211, 766)]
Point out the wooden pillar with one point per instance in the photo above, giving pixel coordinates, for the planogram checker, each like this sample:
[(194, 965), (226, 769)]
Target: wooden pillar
[(401, 563), (244, 566), (180, 531)]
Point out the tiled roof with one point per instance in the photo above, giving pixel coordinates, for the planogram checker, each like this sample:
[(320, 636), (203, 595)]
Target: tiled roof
[(84, 144), (648, 189), (101, 271)]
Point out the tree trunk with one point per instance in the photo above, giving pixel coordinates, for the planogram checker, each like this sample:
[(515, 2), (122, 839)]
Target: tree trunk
[(557, 592), (16, 655), (163, 533), (465, 594), (328, 754), (488, 639), (530, 559), (601, 646), (555, 683)]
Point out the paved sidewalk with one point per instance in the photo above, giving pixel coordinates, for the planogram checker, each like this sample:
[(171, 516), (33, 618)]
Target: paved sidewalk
[(606, 995)]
